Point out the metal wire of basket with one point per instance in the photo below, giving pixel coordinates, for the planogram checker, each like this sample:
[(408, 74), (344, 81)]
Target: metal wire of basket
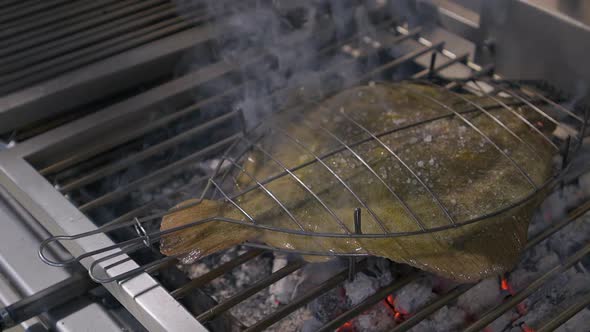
[(215, 184)]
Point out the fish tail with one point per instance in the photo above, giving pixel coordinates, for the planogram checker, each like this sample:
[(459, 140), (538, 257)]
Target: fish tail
[(201, 239)]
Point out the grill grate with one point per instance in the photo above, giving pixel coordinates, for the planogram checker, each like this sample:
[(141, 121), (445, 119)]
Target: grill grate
[(78, 173), (72, 34)]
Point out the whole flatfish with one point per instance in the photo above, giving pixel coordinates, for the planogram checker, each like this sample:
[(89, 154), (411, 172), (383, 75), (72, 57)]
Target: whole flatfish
[(418, 160)]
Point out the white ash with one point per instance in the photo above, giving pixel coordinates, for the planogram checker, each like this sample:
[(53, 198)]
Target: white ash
[(210, 166), (329, 305), (378, 318), (361, 288), (284, 290), (444, 320), (487, 294), (413, 296), (257, 306), (577, 323)]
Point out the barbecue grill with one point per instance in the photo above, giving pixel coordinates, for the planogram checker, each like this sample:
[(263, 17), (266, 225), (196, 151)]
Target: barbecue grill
[(98, 180)]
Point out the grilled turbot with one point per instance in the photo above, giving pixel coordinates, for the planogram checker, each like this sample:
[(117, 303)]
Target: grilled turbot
[(409, 163)]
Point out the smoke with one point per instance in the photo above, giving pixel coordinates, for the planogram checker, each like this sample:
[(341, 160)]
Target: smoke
[(291, 38)]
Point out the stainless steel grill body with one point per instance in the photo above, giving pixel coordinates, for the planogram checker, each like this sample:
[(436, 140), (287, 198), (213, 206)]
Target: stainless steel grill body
[(26, 168)]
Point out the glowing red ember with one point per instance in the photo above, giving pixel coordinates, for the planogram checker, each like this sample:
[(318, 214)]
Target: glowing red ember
[(399, 316), (505, 286), (346, 327)]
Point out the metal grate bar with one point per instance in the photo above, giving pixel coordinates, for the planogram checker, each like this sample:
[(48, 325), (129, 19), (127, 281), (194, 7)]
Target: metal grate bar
[(28, 10), (433, 306), (74, 25), (87, 55), (15, 4), (565, 315), (302, 300), (401, 60), (523, 119), (216, 272), (258, 286), (368, 302), (150, 204), (45, 17), (500, 123), (491, 315), (144, 154), (527, 102), (426, 72), (196, 78), (482, 134), (159, 175), (89, 37), (537, 94)]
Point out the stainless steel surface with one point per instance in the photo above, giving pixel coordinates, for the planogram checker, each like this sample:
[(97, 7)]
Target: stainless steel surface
[(21, 275), (9, 295), (541, 39), (64, 147), (61, 92), (141, 295)]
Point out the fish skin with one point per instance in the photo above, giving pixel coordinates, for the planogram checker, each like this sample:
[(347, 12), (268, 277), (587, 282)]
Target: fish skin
[(468, 174)]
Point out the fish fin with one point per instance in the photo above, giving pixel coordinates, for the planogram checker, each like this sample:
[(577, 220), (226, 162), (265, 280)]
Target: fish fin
[(202, 239)]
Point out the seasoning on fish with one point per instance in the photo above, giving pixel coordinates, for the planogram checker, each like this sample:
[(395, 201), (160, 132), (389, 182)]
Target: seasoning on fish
[(407, 160)]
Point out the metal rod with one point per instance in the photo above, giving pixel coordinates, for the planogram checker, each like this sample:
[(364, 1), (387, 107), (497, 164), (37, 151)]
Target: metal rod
[(432, 64), (90, 54), (368, 302), (565, 315), (51, 297), (28, 10), (302, 300), (144, 154), (405, 206), (491, 315), (216, 272), (48, 17), (155, 177), (515, 113), (401, 60), (160, 198), (437, 199), (426, 72), (86, 38), (258, 286), (309, 151), (537, 94), (526, 101), (301, 183), (431, 307), (217, 69), (268, 193), (478, 131), (73, 25), (357, 230)]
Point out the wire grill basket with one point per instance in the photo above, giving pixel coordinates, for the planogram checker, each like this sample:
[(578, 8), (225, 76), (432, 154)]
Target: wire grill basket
[(221, 185)]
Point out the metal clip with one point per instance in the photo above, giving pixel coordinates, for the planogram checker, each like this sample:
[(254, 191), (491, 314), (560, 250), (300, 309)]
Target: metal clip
[(141, 232)]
